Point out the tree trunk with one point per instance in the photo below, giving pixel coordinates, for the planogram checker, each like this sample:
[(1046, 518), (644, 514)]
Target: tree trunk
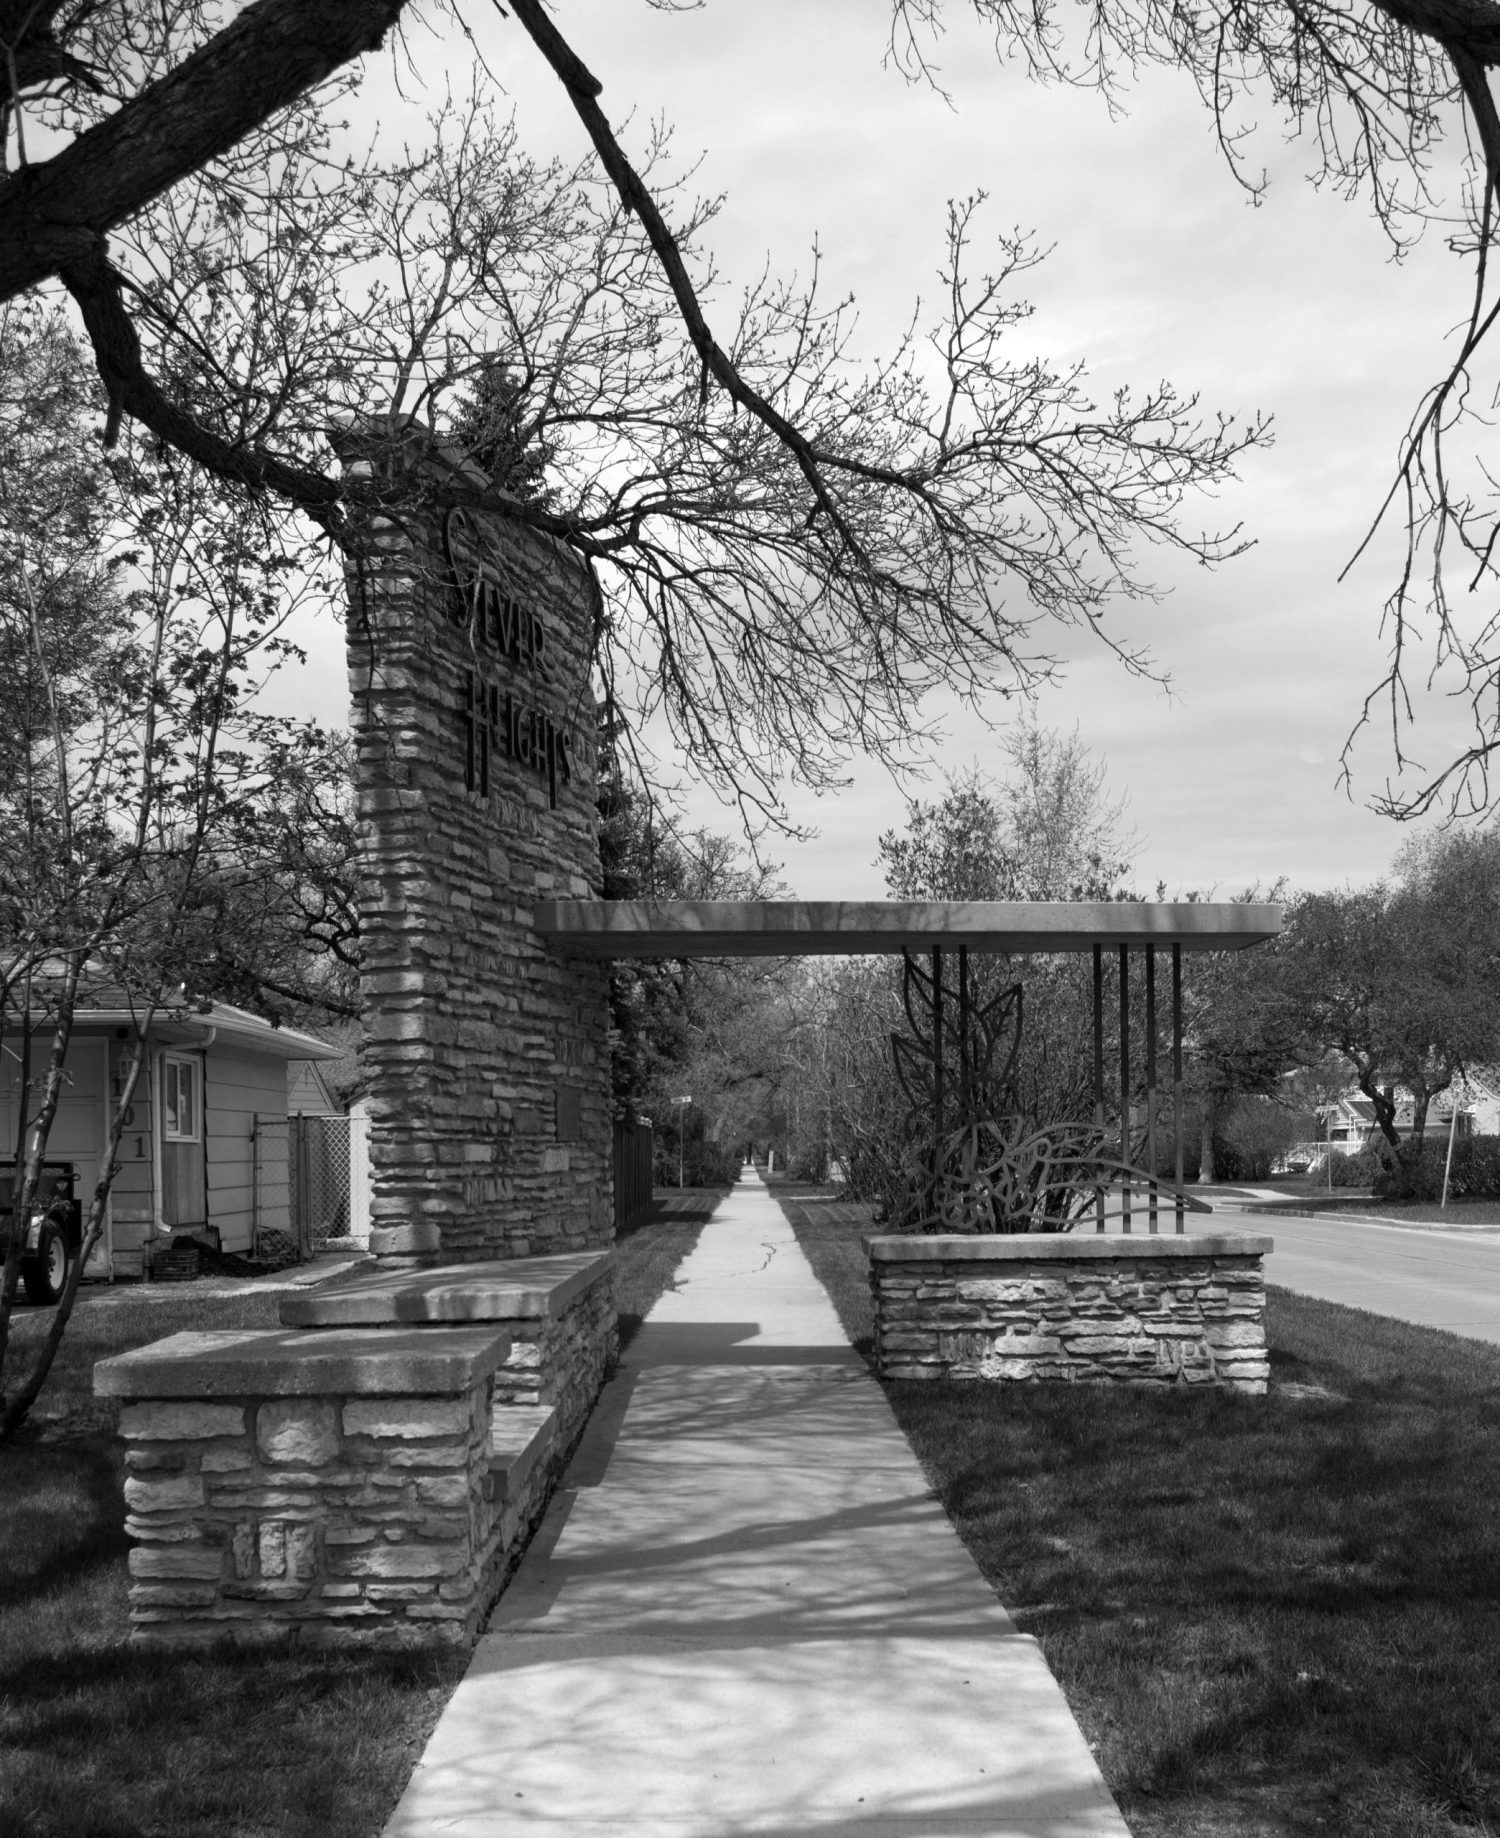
[(1207, 1173), (1383, 1100)]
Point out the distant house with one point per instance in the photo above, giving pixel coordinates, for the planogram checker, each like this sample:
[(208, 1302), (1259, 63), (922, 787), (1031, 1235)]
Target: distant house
[(205, 1142), (1477, 1094), (1351, 1121)]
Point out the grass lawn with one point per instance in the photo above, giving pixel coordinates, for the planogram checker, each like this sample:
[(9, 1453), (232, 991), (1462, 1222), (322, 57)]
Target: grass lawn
[(1412, 1212), (1271, 1615), (1309, 1194), (101, 1740)]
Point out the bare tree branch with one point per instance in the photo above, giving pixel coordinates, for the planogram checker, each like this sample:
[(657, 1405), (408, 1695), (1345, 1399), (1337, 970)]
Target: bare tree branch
[(271, 54)]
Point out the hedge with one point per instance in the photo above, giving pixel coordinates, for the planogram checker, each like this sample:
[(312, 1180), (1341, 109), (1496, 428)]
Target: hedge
[(1475, 1174)]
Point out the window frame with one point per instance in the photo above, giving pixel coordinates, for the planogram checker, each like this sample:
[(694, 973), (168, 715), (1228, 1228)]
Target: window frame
[(178, 1064)]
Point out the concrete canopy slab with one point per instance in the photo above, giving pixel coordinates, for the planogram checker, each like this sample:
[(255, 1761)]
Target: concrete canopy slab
[(505, 1289), (291, 1362), (837, 928)]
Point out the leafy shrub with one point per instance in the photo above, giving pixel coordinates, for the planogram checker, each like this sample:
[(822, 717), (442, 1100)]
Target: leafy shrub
[(1475, 1173), (704, 1163), (1253, 1137), (1364, 1168), (1476, 1168), (810, 1163)]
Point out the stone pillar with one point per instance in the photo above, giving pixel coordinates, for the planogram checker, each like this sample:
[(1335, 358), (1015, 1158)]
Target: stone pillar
[(470, 643)]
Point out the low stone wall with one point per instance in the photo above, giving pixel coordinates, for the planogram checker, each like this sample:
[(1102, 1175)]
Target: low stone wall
[(1186, 1310), (363, 1482), (559, 1312), (560, 1358)]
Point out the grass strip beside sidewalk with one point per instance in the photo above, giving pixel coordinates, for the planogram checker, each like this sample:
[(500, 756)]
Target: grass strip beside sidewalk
[(1270, 1615), (102, 1740)]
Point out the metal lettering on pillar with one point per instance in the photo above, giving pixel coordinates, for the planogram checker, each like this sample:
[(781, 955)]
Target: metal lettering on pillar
[(507, 711)]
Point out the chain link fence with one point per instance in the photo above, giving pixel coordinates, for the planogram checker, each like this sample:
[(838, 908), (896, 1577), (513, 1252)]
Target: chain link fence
[(301, 1185), (319, 1179)]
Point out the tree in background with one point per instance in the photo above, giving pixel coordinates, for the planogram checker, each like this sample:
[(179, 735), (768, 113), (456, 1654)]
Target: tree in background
[(1047, 830), (1245, 1029), (856, 1003), (137, 607), (1258, 1131), (495, 426), (715, 1030), (274, 920), (1402, 980)]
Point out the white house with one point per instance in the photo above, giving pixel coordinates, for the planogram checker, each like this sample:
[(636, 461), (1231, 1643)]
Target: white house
[(1476, 1095), (205, 1137), (1350, 1123)]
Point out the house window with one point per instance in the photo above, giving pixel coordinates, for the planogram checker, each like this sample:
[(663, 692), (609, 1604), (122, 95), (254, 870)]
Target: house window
[(179, 1100)]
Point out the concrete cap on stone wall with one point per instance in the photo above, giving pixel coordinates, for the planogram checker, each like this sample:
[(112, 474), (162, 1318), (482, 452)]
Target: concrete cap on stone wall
[(290, 1362), (509, 1289), (1061, 1247)]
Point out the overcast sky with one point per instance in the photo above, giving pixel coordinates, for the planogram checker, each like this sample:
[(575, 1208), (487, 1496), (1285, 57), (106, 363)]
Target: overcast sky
[(1162, 268)]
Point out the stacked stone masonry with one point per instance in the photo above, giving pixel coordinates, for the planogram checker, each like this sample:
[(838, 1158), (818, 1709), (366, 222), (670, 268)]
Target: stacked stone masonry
[(486, 1055), (339, 1486), (332, 1520), (560, 1361), (1184, 1310)]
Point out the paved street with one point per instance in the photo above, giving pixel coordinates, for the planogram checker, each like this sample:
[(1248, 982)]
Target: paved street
[(1434, 1278)]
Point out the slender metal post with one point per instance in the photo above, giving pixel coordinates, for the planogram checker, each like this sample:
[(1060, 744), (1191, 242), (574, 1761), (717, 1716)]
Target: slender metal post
[(1125, 1085), (1099, 1073), (937, 1056), (1448, 1164), (1177, 1080), (965, 1093), (1151, 1085)]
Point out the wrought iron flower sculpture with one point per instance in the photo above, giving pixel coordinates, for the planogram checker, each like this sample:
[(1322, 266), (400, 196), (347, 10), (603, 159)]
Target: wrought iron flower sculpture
[(973, 1162)]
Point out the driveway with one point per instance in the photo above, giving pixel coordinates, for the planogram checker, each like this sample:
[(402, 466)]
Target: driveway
[(1433, 1278)]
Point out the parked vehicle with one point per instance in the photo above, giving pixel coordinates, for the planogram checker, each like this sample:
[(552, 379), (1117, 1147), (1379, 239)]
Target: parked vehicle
[(54, 1232), (1303, 1158)]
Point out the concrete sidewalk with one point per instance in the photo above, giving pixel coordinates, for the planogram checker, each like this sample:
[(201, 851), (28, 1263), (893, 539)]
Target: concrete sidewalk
[(745, 1613)]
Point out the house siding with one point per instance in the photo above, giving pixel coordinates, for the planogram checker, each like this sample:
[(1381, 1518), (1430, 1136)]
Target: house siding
[(239, 1088), (132, 1199), (240, 1085), (306, 1094)]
